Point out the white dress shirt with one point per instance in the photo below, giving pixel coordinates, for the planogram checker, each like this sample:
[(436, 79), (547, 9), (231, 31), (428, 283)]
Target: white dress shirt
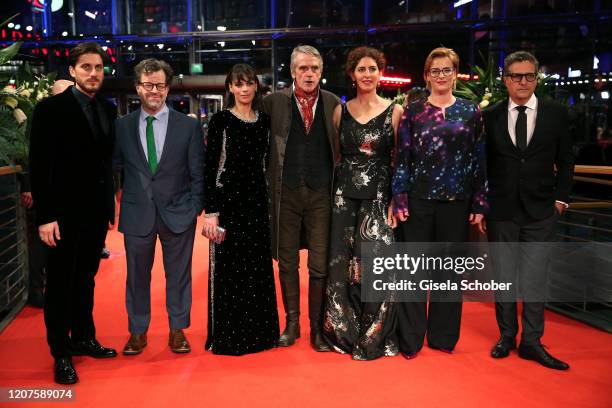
[(531, 112)]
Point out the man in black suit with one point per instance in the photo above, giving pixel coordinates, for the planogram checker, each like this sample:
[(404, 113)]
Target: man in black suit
[(526, 138), (72, 188)]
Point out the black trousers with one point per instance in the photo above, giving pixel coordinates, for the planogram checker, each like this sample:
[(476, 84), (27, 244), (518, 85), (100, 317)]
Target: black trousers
[(432, 221), (37, 257), (69, 290), (526, 267)]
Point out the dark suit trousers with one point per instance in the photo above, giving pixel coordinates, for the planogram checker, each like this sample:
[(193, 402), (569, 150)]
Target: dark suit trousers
[(433, 221), (528, 267), (69, 291), (177, 252)]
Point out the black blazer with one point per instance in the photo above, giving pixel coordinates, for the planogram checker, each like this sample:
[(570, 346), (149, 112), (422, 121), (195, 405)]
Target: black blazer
[(71, 170), (528, 178)]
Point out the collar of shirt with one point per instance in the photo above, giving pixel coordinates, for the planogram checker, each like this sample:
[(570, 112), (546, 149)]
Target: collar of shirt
[(532, 103), (162, 114), (84, 100)]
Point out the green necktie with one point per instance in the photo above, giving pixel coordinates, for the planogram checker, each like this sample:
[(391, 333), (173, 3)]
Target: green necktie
[(151, 152)]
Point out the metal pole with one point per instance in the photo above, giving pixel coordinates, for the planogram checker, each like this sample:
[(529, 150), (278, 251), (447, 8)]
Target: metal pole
[(273, 46), (73, 18)]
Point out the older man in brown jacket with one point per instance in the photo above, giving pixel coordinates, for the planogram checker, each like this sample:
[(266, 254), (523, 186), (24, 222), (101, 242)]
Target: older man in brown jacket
[(300, 178)]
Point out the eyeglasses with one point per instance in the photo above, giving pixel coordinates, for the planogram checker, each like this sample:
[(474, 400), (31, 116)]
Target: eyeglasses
[(161, 86), (434, 73), (530, 77)]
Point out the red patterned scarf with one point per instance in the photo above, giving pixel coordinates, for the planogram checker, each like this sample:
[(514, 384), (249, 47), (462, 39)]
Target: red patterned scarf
[(306, 101)]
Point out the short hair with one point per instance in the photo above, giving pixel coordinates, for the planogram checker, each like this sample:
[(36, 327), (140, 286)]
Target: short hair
[(440, 52), (85, 48), (241, 72), (305, 49), (353, 58), (150, 65), (520, 56)]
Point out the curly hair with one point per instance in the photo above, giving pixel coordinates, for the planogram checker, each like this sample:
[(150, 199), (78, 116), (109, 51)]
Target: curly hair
[(353, 58)]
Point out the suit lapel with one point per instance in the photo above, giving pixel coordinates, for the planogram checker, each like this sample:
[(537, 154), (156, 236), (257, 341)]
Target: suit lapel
[(540, 117), (135, 130), (502, 123), (169, 134), (82, 122)]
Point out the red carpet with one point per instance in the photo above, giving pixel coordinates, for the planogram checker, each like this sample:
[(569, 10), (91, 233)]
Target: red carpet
[(297, 376)]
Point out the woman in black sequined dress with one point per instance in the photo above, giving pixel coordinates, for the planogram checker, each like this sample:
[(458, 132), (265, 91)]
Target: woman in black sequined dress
[(242, 312)]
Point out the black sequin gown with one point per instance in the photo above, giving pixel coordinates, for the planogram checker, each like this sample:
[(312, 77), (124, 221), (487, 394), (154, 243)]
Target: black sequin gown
[(361, 197), (242, 312)]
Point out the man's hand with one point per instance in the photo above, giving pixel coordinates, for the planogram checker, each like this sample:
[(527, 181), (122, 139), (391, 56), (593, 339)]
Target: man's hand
[(49, 233), (26, 200), (559, 207)]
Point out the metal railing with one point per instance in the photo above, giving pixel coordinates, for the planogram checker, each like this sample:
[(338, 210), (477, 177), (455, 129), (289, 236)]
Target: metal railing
[(589, 220), (13, 248)]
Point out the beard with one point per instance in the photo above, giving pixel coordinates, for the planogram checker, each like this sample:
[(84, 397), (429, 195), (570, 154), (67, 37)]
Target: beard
[(153, 104), (88, 86)]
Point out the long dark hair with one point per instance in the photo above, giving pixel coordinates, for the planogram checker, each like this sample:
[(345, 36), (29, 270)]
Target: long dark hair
[(241, 72)]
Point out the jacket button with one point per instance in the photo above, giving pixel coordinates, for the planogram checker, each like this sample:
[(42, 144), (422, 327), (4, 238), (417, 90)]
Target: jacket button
[(522, 160)]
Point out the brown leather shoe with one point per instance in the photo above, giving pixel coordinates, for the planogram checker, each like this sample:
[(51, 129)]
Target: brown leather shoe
[(178, 342), (135, 344)]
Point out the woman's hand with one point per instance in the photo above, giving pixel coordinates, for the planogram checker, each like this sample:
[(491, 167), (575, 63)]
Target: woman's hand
[(391, 220), (479, 221), (209, 230), (400, 206)]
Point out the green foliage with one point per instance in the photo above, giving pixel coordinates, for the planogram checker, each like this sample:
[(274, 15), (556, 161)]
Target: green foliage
[(489, 88), (19, 94)]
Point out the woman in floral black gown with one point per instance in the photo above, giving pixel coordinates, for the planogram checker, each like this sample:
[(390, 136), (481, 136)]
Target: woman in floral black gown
[(242, 313), (361, 213)]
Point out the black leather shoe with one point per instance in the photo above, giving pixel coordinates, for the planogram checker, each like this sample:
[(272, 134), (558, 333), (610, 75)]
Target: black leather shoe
[(105, 254), (446, 350), (92, 348), (64, 372), (318, 343), (539, 354), (503, 346)]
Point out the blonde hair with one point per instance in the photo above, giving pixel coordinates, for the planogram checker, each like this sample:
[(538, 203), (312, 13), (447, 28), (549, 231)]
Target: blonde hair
[(441, 52)]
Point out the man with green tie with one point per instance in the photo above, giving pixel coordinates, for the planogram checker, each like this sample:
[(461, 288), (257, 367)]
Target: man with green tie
[(162, 157)]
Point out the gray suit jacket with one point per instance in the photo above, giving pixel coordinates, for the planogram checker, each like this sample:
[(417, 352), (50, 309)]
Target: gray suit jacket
[(176, 189)]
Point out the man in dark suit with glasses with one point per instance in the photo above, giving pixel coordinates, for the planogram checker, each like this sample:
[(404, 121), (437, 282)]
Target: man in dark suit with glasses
[(527, 137)]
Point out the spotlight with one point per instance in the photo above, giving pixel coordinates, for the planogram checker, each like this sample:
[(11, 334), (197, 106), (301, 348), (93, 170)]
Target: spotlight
[(221, 28), (29, 28), (64, 33)]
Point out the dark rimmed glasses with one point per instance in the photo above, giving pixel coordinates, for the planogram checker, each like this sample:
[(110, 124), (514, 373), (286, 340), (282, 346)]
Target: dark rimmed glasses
[(516, 77), (434, 73), (161, 86)]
